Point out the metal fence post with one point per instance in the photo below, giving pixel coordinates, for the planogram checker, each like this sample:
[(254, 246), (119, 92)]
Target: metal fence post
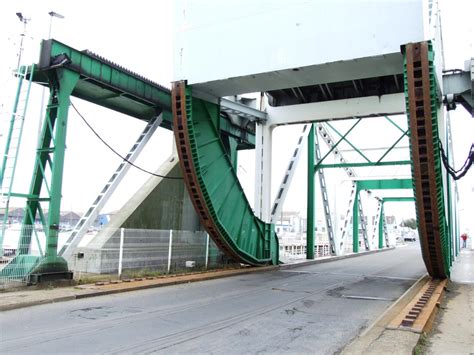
[(207, 248), (120, 253), (169, 250)]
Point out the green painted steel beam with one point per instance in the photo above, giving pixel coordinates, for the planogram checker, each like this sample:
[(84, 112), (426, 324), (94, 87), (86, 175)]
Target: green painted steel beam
[(378, 184), (427, 169), (392, 146), (398, 199), (108, 85), (394, 123), (382, 215), (51, 152), (348, 142), (355, 224), (361, 165), (67, 81), (343, 138), (28, 196), (228, 217), (105, 83), (381, 223), (68, 72), (245, 138), (388, 184)]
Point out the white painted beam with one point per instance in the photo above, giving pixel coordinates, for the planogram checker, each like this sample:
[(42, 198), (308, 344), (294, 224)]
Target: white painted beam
[(263, 171), (337, 109)]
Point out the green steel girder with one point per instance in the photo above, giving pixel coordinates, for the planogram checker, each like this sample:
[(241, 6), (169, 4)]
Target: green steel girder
[(381, 222), (212, 182), (379, 162), (361, 165), (68, 72), (50, 153), (397, 199), (106, 84), (343, 137), (361, 184), (425, 119), (355, 223), (395, 124), (378, 184), (382, 213), (389, 184), (392, 146)]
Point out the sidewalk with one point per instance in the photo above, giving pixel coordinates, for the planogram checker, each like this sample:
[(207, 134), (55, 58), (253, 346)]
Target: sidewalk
[(453, 331)]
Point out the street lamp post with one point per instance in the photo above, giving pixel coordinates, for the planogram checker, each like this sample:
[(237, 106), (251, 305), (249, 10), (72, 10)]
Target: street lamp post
[(40, 124), (23, 20), (53, 14)]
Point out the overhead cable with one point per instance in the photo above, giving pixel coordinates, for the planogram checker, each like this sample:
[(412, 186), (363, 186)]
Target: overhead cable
[(118, 154), (457, 174)]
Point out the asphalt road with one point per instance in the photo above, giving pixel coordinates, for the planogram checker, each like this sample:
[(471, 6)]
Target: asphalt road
[(312, 309)]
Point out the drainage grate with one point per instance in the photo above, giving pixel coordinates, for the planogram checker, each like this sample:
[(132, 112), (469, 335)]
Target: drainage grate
[(418, 313)]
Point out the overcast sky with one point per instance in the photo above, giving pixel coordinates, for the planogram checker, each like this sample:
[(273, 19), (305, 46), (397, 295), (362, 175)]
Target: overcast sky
[(138, 36)]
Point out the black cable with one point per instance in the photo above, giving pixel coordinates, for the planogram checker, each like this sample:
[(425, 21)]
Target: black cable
[(457, 174), (118, 154)]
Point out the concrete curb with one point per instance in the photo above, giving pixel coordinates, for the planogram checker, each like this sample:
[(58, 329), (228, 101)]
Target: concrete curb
[(379, 338), (83, 292), (330, 259), (9, 307), (408, 294), (171, 281)]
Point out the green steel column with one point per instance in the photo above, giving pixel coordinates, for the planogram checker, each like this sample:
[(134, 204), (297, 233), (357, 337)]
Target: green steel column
[(381, 222), (56, 121), (355, 222), (67, 82), (310, 222), (449, 201), (32, 203)]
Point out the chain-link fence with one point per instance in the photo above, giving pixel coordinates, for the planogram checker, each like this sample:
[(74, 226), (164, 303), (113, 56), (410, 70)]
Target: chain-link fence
[(22, 248), (141, 252), (125, 253), (119, 253)]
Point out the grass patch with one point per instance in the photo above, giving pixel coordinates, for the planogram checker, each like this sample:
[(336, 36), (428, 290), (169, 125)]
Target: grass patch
[(422, 345)]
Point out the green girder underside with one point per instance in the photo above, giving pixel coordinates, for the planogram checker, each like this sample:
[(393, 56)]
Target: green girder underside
[(253, 240), (109, 85)]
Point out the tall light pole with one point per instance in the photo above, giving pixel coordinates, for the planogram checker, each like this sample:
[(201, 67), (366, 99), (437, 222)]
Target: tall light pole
[(52, 14), (23, 20)]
